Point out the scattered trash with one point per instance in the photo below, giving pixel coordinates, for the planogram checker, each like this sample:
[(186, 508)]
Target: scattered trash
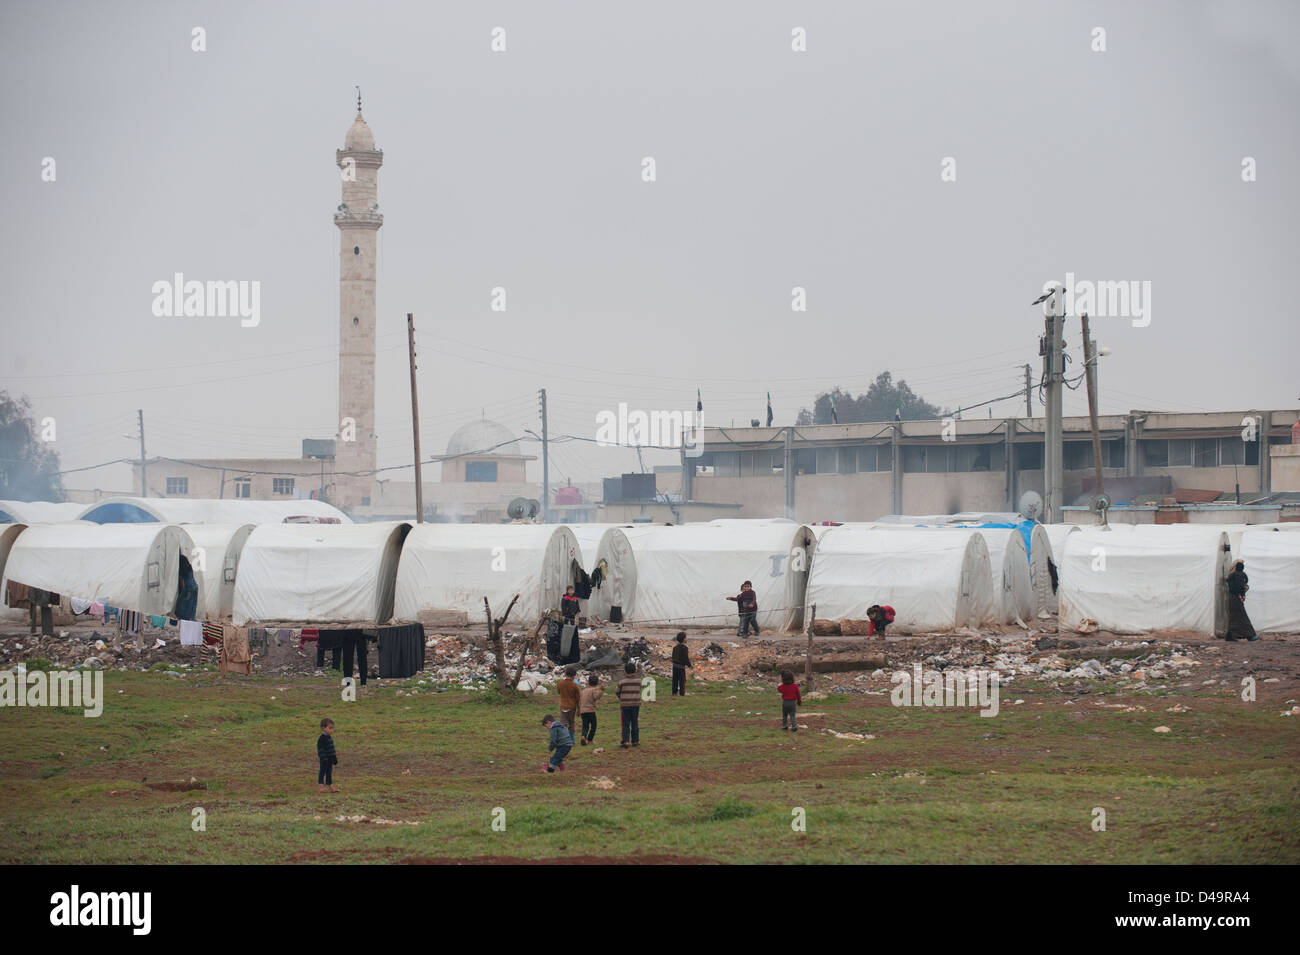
[(1163, 729)]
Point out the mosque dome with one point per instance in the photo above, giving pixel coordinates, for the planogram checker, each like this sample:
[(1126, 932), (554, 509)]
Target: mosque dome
[(359, 135), (483, 436)]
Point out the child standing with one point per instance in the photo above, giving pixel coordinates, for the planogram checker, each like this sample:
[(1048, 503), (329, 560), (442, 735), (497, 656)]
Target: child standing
[(681, 660), (561, 741), (790, 700), (569, 606), (590, 696), (326, 756), (747, 607), (629, 703), (569, 697)]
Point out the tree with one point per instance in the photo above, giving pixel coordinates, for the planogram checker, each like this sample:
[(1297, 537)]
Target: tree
[(29, 467), (881, 401)]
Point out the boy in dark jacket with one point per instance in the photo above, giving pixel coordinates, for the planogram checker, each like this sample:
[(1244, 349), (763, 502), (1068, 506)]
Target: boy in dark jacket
[(747, 606), (561, 741), (569, 606), (681, 660), (326, 756)]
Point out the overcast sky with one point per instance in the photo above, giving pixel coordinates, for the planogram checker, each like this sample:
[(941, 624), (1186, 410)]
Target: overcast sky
[(523, 169)]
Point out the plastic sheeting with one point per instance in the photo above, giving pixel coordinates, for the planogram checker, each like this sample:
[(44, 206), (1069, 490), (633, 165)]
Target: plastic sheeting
[(454, 566), (1272, 562), (175, 510), (134, 566), (684, 574), (1169, 579), (319, 573), (608, 543), (217, 548), (38, 512), (934, 580)]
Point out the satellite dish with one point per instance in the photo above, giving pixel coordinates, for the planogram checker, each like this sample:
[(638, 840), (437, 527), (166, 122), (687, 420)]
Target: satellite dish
[(534, 508), (1031, 505), (518, 509), (1099, 504)]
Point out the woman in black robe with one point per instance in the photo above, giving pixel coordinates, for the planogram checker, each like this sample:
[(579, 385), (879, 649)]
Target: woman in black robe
[(1239, 625)]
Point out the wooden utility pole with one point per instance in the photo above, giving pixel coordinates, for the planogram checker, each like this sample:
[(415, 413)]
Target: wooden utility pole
[(1090, 376), (807, 663), (1029, 401), (546, 463), (415, 424), (144, 477)]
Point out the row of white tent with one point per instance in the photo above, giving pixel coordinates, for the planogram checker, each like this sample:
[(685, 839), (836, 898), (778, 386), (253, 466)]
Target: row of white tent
[(171, 510), (1125, 579)]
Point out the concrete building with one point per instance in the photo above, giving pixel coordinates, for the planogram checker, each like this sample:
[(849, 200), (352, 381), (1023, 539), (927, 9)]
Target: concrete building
[(850, 472)]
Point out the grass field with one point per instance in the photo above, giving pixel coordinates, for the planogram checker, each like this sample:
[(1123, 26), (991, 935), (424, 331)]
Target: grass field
[(713, 780)]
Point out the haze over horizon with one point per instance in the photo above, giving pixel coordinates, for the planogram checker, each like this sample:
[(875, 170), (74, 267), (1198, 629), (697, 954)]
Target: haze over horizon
[(522, 169)]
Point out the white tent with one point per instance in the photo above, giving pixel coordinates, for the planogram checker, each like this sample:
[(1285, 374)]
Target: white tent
[(179, 510), (1272, 562), (934, 581), (684, 574), (38, 512), (607, 543), (217, 549), (132, 566), (452, 567), (1009, 569), (1138, 582), (319, 573)]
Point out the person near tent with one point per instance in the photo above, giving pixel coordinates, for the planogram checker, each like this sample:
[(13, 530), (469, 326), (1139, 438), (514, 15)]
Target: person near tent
[(570, 696), (1239, 625), (880, 617), (790, 700), (569, 606), (560, 742), (681, 660), (187, 602), (747, 607), (629, 704), (326, 755), (587, 701)]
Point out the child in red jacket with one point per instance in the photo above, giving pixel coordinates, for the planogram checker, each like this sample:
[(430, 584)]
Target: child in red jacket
[(790, 699)]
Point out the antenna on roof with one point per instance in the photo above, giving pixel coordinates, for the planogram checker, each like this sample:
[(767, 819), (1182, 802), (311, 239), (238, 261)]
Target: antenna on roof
[(358, 89)]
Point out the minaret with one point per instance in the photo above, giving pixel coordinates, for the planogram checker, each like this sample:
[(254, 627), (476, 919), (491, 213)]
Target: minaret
[(358, 220)]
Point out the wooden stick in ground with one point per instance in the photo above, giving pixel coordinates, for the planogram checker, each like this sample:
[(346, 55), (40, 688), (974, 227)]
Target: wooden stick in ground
[(498, 646), (807, 662), (528, 645)]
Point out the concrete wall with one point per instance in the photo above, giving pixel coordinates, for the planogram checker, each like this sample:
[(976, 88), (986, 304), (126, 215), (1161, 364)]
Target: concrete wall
[(1286, 467)]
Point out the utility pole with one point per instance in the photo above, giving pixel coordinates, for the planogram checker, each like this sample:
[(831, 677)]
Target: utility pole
[(144, 477), (1052, 349), (1029, 401), (546, 465), (787, 469), (415, 421), (1090, 376)]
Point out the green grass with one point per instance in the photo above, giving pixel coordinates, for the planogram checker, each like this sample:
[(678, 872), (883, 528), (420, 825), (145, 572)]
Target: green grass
[(713, 779)]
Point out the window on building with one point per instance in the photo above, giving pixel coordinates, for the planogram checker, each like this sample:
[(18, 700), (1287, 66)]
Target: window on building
[(1114, 453), (1251, 452), (481, 471), (178, 485), (1205, 453), (282, 485), (848, 460), (938, 460), (1180, 452), (1029, 457), (1077, 455), (726, 464), (1155, 454), (828, 460), (914, 459), (805, 461), (760, 463), (243, 487), (868, 459)]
